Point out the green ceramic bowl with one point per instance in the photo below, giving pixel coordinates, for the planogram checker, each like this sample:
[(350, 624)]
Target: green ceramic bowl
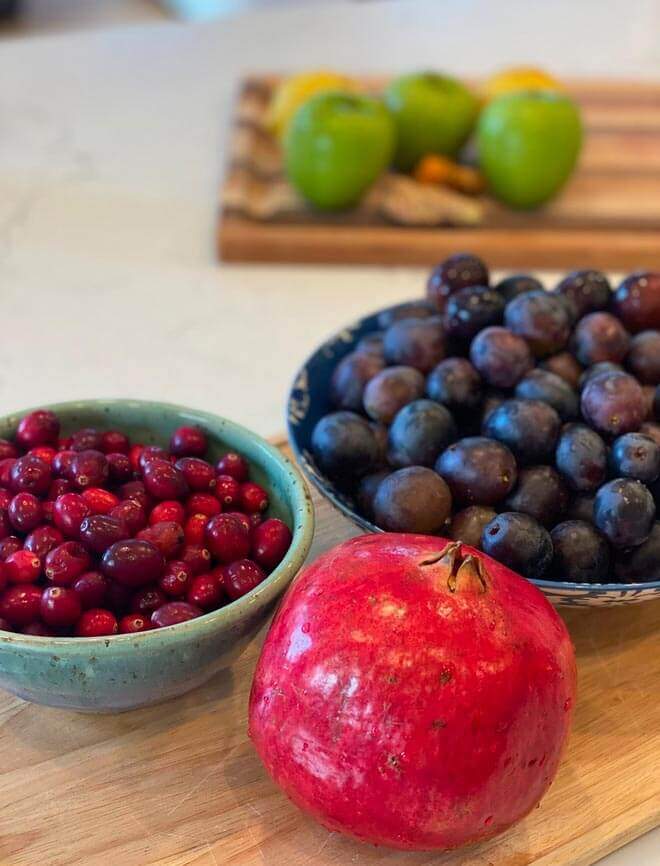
[(127, 671)]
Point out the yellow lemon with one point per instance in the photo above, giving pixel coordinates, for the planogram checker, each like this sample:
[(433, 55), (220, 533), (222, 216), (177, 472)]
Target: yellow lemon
[(519, 78), (292, 92)]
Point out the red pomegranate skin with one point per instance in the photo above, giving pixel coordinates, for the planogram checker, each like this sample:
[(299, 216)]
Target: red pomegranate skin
[(418, 706)]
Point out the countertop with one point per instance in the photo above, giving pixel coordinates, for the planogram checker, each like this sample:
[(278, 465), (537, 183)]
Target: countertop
[(111, 153)]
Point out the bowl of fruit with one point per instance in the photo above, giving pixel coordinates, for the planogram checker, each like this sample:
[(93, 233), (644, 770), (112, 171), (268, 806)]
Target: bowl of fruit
[(519, 420), (142, 546)]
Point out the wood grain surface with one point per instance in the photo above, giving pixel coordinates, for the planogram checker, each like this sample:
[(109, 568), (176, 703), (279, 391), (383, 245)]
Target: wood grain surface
[(608, 216), (179, 784)]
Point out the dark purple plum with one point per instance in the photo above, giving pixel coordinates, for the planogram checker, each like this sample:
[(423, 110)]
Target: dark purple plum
[(414, 499), (581, 508), (541, 493), (371, 344), (652, 430), (649, 402), (418, 343), (643, 359), (456, 272), (391, 390), (624, 511), (581, 554), (565, 366), (350, 377), (468, 525), (585, 291), (518, 284), (366, 491), (380, 432), (479, 471), (551, 389), (472, 309), (600, 337), (344, 446), (542, 319), (456, 384), (656, 404), (419, 433), (407, 310), (596, 369), (637, 301), (613, 403), (529, 428), (519, 542), (501, 356), (492, 400), (581, 457), (634, 455), (642, 564)]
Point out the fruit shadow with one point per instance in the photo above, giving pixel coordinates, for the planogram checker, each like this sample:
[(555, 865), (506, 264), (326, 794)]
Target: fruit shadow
[(606, 630)]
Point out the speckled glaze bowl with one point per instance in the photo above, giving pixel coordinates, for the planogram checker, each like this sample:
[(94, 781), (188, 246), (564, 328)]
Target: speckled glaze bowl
[(112, 674), (309, 400)]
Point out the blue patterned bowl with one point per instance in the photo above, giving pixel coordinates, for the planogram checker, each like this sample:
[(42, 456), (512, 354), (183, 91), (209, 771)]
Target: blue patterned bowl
[(309, 401)]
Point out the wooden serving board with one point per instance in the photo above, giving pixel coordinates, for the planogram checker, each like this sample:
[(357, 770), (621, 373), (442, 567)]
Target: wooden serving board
[(607, 217), (179, 783)]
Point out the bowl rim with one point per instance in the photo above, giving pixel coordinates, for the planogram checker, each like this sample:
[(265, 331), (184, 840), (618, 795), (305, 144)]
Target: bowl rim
[(320, 481), (303, 532)]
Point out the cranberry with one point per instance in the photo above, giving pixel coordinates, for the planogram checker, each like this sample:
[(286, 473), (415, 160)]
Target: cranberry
[(233, 464), (4, 576), (114, 442), (252, 497), (134, 454), (196, 558), (60, 606), (168, 510), (85, 439), (19, 605), (149, 453), (188, 442), (69, 511), (25, 512), (176, 578), (65, 563), (38, 629), (44, 452), (174, 612), (62, 461), (64, 443), (162, 480), (6, 497), (96, 622), (119, 597), (133, 623), (58, 487), (92, 588), (255, 519), (5, 523), (30, 474), (132, 514), (145, 601), (135, 490), (38, 428), (6, 465), (167, 536), (134, 562), (99, 531), (119, 467), (42, 540), (243, 518), (241, 577), (270, 542), (194, 529), (23, 567), (228, 491), (202, 503), (9, 545), (47, 508), (7, 449), (88, 468), (205, 592), (227, 537), (5, 625), (99, 500)]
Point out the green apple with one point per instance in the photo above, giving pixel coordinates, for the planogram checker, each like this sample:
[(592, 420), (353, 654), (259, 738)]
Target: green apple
[(335, 147), (528, 145), (433, 114)]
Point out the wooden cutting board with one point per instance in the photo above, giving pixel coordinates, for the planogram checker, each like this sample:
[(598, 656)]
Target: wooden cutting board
[(179, 783), (607, 217)]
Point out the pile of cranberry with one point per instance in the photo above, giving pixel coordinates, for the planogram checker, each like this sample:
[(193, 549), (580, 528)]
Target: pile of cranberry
[(100, 536)]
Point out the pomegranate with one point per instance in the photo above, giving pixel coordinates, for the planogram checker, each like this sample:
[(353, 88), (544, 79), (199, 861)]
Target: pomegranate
[(413, 692)]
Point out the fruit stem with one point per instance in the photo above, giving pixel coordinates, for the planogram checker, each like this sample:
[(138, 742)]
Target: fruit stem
[(465, 573)]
